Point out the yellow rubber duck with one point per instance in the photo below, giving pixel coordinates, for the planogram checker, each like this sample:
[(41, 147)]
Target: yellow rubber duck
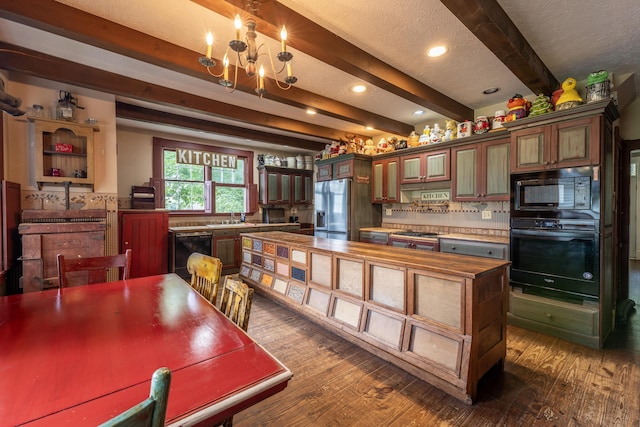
[(570, 97)]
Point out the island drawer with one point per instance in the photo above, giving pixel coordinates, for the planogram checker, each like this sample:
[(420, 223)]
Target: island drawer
[(468, 247), (572, 317)]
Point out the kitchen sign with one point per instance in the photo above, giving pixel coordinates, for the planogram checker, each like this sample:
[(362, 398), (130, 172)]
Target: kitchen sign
[(206, 158)]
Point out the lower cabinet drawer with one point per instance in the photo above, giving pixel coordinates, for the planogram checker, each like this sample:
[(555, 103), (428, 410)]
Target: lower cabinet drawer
[(482, 249), (572, 317)]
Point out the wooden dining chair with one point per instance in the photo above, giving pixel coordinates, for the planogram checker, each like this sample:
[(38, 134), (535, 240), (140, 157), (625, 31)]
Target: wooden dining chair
[(94, 268), (236, 301), (151, 412), (205, 275)]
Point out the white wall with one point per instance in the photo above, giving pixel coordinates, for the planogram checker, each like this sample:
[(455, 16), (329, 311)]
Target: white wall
[(97, 105)]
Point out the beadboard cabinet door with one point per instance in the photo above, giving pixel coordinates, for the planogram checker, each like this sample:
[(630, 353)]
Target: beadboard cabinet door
[(146, 233)]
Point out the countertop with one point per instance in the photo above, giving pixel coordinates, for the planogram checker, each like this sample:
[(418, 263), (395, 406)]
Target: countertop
[(242, 227), (445, 263), (459, 236)]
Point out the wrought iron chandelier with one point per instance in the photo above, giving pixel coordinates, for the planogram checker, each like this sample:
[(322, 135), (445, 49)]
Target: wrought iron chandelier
[(247, 55)]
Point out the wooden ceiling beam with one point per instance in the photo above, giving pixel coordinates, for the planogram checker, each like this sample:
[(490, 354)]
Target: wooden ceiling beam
[(490, 24), (147, 115), (72, 23), (28, 62), (327, 47)]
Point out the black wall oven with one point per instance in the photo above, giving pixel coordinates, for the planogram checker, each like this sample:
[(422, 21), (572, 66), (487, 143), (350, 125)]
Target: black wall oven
[(555, 233), (558, 258)]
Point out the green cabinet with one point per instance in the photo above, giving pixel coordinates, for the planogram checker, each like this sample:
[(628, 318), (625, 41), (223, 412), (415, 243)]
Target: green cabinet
[(385, 180), (481, 171), (564, 144), (282, 186), (425, 167)]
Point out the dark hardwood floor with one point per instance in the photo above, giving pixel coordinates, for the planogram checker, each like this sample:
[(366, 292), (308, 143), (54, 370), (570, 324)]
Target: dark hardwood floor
[(546, 381)]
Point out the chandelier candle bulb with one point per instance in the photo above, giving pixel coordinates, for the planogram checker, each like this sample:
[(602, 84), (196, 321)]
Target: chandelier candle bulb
[(261, 81), (238, 24), (209, 44), (283, 37), (289, 69), (225, 61)]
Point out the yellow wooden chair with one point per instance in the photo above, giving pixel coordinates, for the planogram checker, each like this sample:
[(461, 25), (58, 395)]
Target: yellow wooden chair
[(150, 412), (205, 275), (236, 301)]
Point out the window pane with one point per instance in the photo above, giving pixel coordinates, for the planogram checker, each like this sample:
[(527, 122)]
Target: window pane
[(229, 176), (180, 171), (184, 195), (230, 199)]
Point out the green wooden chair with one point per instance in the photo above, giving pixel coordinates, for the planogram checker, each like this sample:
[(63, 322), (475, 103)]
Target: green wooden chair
[(152, 411)]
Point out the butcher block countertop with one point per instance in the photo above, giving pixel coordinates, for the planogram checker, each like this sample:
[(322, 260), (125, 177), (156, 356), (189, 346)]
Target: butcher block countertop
[(476, 238), (468, 266), (381, 229), (459, 236), (241, 227)]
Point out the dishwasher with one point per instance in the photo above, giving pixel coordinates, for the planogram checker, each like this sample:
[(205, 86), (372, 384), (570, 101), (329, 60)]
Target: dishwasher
[(183, 244)]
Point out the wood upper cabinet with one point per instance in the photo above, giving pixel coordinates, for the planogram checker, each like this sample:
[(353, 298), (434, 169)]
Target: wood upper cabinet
[(275, 186), (343, 169), (282, 186), (325, 172), (559, 145), (425, 167), (386, 187), (146, 233), (481, 171), (63, 152), (302, 188)]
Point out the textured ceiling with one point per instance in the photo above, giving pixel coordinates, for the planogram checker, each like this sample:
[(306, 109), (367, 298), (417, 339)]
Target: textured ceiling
[(572, 38)]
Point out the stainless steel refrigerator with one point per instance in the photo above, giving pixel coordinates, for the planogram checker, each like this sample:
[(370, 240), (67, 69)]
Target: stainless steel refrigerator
[(342, 207)]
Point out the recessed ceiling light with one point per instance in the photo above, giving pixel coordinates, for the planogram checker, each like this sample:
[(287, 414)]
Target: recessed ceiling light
[(311, 111), (358, 88), (368, 128), (437, 51), (418, 112), (490, 90)]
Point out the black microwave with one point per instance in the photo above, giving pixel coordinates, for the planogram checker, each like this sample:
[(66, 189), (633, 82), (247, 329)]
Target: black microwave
[(562, 190)]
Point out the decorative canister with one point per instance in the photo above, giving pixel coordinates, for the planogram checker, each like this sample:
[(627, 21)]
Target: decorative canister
[(498, 119), (291, 162), (269, 159), (308, 162), (465, 129), (299, 162), (482, 125)]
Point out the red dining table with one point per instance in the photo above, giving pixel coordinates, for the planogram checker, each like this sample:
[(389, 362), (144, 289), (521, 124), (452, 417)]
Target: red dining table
[(81, 355)]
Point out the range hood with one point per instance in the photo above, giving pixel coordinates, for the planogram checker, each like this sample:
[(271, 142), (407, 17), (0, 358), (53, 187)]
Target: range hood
[(429, 192)]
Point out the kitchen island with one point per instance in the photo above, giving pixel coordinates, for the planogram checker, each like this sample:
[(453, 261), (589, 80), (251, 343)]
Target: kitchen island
[(441, 317), (219, 240)]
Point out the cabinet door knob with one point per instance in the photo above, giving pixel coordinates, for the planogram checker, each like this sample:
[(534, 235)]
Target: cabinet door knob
[(548, 315)]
